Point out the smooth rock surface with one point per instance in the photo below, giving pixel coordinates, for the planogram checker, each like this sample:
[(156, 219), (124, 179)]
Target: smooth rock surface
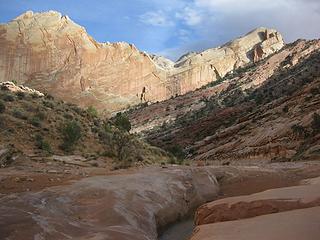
[(303, 224), (127, 206), (267, 202)]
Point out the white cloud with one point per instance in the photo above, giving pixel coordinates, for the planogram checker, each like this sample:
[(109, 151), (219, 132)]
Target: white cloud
[(190, 16), (200, 24), (156, 18)]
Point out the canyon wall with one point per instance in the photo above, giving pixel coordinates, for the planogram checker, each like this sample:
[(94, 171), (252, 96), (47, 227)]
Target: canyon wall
[(51, 53)]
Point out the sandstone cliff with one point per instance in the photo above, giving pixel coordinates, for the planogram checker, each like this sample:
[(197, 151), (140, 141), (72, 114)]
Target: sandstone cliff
[(50, 52), (267, 111)]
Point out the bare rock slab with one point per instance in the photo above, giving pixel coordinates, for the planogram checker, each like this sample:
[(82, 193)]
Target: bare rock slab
[(267, 202), (303, 224)]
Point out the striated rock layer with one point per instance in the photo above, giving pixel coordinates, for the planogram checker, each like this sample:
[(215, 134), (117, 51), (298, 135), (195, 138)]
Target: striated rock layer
[(50, 52)]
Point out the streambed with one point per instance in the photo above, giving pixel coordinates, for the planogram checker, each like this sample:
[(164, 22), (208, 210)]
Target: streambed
[(179, 231)]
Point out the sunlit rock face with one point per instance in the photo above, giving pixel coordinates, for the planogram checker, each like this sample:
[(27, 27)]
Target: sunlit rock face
[(49, 52)]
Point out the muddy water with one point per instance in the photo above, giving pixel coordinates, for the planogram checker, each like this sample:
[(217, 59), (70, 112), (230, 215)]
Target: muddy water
[(179, 231)]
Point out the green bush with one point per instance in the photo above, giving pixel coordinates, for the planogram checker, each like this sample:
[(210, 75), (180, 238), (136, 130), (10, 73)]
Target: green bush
[(17, 113), (42, 144), (122, 122), (71, 132), (177, 151), (48, 104), (2, 107), (8, 97), (92, 111), (35, 121)]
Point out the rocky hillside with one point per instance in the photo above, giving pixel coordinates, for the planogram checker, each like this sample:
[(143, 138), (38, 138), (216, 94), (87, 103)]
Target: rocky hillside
[(36, 127), (265, 111), (51, 53)]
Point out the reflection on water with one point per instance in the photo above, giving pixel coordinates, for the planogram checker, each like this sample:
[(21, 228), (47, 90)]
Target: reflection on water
[(179, 231)]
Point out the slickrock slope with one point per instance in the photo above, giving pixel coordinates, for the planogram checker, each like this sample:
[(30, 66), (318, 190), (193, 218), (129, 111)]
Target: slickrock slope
[(293, 225), (266, 111), (267, 202), (125, 206), (49, 52), (257, 216)]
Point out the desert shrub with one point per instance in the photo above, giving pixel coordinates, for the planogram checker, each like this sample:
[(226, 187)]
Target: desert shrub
[(35, 95), (285, 109), (122, 122), (315, 124), (14, 82), (8, 97), (48, 96), (41, 115), (35, 121), (298, 130), (42, 144), (258, 99), (20, 95), (2, 107), (68, 116), (314, 91), (71, 132), (92, 111), (48, 104), (177, 151), (118, 145), (77, 109), (18, 113)]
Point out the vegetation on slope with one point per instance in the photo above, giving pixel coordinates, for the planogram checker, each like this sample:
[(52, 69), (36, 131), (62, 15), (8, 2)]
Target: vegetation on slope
[(43, 126)]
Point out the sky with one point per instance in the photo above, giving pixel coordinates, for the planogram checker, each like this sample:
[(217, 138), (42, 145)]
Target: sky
[(174, 27)]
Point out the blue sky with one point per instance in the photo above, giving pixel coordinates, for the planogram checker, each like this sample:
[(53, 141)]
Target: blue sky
[(173, 27)]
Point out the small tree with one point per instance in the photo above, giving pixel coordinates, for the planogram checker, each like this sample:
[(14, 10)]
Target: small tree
[(71, 132), (119, 143), (43, 144), (122, 122), (177, 151)]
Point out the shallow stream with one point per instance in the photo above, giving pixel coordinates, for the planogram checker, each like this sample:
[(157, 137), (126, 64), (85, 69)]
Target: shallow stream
[(179, 231)]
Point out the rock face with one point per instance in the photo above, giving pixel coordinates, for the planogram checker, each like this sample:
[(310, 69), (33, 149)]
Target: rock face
[(50, 52), (264, 112), (283, 213), (196, 70), (126, 206)]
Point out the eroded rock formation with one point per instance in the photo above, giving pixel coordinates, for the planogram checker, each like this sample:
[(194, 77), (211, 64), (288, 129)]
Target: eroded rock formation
[(50, 52), (126, 206), (282, 213)]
